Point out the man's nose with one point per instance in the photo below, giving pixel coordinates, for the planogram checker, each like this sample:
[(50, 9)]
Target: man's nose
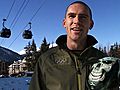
[(77, 20)]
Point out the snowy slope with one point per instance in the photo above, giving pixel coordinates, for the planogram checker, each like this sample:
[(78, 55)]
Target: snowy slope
[(13, 83)]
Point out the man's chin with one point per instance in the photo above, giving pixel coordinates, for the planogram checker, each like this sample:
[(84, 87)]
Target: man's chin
[(76, 38)]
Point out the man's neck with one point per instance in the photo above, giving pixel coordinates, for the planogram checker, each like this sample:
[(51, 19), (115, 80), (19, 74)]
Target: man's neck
[(73, 45)]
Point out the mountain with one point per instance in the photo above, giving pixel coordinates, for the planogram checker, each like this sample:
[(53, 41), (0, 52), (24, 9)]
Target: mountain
[(8, 55)]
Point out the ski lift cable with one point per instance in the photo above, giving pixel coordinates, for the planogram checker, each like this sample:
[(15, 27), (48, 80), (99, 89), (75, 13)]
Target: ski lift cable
[(1, 41), (16, 37), (15, 16), (8, 17), (15, 21), (10, 9), (37, 10), (18, 13), (27, 24)]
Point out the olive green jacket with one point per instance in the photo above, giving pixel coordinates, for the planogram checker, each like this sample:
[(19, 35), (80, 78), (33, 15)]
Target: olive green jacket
[(60, 69)]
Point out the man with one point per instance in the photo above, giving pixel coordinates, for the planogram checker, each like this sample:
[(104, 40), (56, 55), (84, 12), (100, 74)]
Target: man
[(68, 66)]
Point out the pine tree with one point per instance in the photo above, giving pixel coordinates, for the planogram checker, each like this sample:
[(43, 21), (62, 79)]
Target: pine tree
[(115, 50), (44, 46), (31, 56), (33, 46), (27, 49)]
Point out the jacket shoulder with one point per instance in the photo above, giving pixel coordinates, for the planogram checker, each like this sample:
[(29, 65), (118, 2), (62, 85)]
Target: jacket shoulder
[(52, 51), (94, 52)]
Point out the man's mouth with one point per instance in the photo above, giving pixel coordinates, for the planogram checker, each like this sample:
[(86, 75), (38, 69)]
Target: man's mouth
[(76, 29)]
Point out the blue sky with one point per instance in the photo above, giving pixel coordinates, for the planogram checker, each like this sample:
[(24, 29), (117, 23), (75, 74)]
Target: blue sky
[(47, 22)]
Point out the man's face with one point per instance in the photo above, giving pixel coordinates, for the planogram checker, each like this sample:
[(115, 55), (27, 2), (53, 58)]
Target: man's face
[(77, 22)]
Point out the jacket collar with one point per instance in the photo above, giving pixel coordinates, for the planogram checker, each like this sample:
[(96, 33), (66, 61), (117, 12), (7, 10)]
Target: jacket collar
[(61, 41)]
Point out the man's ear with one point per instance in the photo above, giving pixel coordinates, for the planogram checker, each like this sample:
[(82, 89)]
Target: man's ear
[(64, 23), (91, 24)]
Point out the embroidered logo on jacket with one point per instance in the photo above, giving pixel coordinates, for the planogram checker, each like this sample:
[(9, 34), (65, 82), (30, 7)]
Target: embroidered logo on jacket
[(62, 59)]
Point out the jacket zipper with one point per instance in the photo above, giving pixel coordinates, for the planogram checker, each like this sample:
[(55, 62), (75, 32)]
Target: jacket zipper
[(77, 66)]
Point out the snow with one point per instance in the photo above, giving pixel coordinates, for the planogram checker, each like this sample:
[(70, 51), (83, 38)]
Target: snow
[(15, 83), (52, 45), (22, 52)]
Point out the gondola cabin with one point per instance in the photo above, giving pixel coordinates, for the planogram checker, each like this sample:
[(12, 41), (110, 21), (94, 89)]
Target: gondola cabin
[(5, 33), (27, 34)]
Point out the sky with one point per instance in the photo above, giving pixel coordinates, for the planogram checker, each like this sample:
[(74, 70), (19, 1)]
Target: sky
[(46, 21)]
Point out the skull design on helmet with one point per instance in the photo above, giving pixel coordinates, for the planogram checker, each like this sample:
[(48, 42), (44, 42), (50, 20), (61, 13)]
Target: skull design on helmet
[(100, 69)]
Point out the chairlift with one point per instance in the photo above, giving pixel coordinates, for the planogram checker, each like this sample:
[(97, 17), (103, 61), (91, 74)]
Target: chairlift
[(27, 34), (5, 32)]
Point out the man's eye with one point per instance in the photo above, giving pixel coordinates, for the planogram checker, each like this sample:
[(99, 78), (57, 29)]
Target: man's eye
[(83, 17), (72, 16)]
